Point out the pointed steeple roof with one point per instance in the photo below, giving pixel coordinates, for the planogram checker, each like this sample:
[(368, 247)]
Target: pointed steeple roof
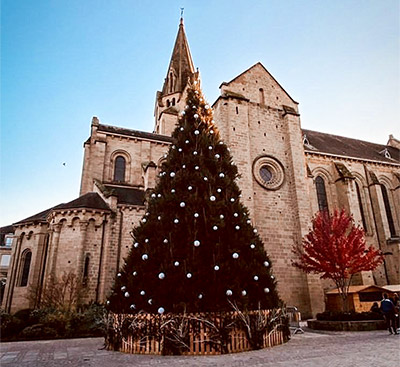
[(181, 65)]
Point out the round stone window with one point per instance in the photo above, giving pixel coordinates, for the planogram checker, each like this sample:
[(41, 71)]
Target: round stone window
[(268, 172)]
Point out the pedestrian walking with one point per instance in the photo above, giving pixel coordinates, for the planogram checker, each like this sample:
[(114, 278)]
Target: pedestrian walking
[(388, 311)]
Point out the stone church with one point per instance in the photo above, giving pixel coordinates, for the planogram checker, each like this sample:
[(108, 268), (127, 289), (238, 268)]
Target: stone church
[(287, 175)]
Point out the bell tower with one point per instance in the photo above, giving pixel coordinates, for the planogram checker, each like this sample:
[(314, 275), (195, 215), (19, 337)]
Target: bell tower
[(171, 99)]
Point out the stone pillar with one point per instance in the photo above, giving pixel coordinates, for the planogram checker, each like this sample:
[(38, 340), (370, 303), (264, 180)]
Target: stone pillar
[(54, 249)]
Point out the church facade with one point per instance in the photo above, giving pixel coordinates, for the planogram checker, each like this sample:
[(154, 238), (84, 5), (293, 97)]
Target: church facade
[(287, 174)]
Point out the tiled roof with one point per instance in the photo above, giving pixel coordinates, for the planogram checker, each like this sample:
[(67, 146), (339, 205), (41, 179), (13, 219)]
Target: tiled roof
[(135, 133), (6, 229), (127, 195), (342, 146), (90, 200), (39, 217)]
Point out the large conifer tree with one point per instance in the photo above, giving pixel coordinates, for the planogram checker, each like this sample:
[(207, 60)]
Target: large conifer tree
[(195, 249)]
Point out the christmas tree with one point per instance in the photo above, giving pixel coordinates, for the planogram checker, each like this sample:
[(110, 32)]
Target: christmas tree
[(195, 249)]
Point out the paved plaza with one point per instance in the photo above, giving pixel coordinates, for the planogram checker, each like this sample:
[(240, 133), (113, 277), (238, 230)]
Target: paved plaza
[(311, 349)]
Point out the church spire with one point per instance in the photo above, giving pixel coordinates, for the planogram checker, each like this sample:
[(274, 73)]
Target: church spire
[(181, 65), (171, 100)]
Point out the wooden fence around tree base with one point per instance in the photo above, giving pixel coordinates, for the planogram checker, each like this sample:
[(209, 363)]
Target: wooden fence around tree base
[(196, 334)]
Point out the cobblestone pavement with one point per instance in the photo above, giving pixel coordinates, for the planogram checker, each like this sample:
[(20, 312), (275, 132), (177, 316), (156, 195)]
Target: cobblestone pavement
[(311, 349)]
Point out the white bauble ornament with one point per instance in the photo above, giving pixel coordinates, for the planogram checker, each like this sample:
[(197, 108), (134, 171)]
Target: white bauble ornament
[(266, 290), (254, 230), (196, 243), (146, 240), (252, 246), (221, 142), (165, 155), (235, 215), (180, 150), (134, 273), (161, 276), (184, 166), (210, 147), (205, 178), (217, 156), (248, 221), (237, 227), (196, 132), (176, 263), (145, 257), (123, 288), (240, 195), (159, 217), (196, 168), (182, 204), (212, 198), (221, 175), (173, 147), (232, 200), (244, 292), (196, 215), (181, 129), (219, 190), (165, 240), (159, 195), (176, 220), (266, 264), (211, 132), (216, 267), (186, 107), (108, 302), (272, 277), (235, 255), (142, 293), (172, 174), (126, 294), (161, 310), (172, 191), (132, 306), (221, 216), (147, 214), (188, 275), (215, 228), (153, 195), (200, 296), (190, 188), (119, 274), (150, 301), (255, 277), (136, 245), (195, 153), (187, 141), (229, 293)]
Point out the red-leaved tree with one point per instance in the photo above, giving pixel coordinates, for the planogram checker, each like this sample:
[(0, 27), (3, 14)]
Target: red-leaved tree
[(335, 247)]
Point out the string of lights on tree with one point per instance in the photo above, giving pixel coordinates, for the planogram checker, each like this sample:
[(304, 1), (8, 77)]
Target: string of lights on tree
[(195, 248)]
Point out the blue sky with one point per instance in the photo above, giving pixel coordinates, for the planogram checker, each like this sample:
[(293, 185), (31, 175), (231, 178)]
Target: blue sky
[(63, 62)]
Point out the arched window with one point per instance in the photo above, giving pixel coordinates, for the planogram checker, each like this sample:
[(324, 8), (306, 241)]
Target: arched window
[(173, 101), (261, 95), (388, 211), (360, 204), (86, 270), (119, 169), (168, 103), (321, 194), (26, 265)]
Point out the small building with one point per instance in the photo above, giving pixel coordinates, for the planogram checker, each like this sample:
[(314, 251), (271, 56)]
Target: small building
[(360, 298)]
